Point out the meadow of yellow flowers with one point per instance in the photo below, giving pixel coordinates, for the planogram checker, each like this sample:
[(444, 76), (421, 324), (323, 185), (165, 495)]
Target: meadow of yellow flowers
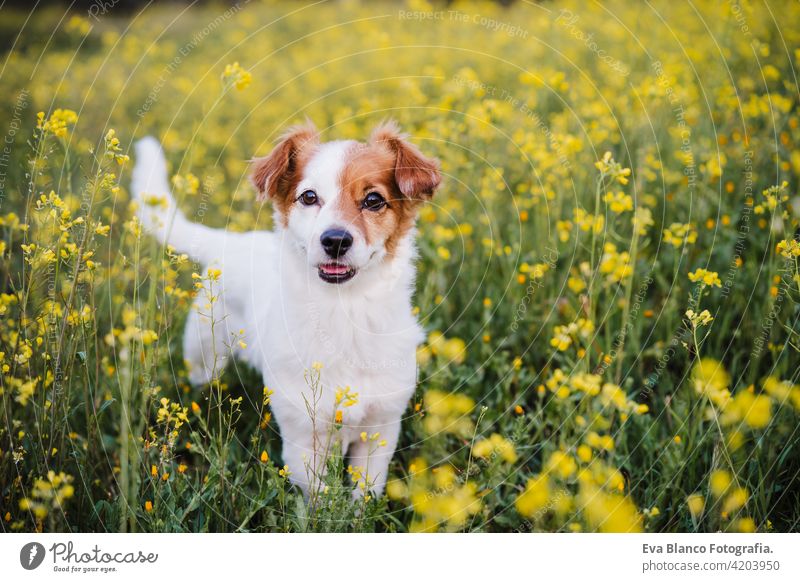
[(609, 275)]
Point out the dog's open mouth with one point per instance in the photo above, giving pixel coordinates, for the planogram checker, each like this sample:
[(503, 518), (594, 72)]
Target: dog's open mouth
[(334, 272)]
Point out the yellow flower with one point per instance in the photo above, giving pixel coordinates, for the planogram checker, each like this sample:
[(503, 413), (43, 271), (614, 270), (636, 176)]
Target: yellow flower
[(678, 234), (584, 453), (608, 512), (609, 167), (265, 421), (396, 490), (588, 222), (615, 265), (618, 202), (148, 506), (58, 122), (454, 350), (789, 248), (699, 319), (561, 464), (495, 445), (735, 500), (264, 457), (696, 504), (779, 390), (78, 25), (642, 220), (652, 512), (745, 525), (707, 278), (600, 442), (712, 380), (754, 410), (345, 397), (735, 440), (563, 228), (236, 75), (561, 339), (719, 482), (448, 413), (189, 183), (48, 494), (535, 496), (611, 394), (576, 284)]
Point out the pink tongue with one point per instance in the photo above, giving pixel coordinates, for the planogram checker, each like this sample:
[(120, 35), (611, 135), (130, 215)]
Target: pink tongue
[(335, 269)]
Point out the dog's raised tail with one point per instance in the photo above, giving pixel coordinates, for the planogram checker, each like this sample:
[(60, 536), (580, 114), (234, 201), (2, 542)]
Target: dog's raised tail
[(157, 208)]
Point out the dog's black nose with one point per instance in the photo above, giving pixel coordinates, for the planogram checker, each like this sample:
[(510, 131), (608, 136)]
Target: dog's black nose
[(336, 242)]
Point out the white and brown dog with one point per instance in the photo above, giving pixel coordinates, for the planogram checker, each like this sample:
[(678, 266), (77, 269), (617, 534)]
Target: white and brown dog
[(332, 284)]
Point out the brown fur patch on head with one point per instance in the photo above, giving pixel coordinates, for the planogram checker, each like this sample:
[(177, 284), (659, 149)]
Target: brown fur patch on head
[(395, 169), (417, 175), (276, 175)]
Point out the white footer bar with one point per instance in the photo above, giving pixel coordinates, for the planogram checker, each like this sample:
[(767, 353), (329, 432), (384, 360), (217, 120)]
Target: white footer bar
[(390, 557)]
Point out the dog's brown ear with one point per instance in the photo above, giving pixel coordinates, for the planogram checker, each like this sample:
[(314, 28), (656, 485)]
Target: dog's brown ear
[(272, 175), (417, 175)]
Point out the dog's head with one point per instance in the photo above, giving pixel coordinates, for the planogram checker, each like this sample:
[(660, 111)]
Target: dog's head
[(346, 204)]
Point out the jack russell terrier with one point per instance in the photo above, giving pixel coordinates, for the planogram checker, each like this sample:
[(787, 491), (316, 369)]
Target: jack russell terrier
[(332, 284)]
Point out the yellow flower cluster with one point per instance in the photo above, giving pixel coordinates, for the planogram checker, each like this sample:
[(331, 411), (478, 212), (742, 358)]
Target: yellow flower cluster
[(451, 350), (618, 202), (588, 222), (48, 494), (789, 249), (58, 123), (774, 198), (615, 265), (448, 413), (679, 234), (171, 414), (235, 75), (565, 335), (496, 446), (441, 500), (729, 500), (612, 169), (345, 397), (124, 336), (598, 505), (707, 278), (744, 409)]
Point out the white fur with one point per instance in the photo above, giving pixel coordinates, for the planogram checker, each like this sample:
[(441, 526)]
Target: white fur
[(362, 331)]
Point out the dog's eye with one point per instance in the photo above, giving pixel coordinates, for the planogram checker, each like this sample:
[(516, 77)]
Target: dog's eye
[(373, 201), (309, 198)]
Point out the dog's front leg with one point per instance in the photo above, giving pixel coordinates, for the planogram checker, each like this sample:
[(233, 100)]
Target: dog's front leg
[(372, 456)]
